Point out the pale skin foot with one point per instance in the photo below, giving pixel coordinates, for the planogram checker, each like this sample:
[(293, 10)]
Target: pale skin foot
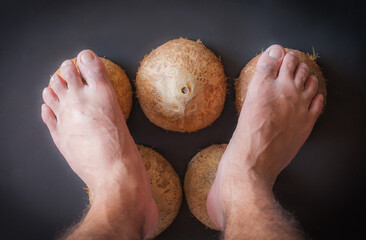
[(88, 127), (279, 112)]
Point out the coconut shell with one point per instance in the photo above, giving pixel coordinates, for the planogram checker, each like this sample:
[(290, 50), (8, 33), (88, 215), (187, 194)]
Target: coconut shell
[(241, 83), (198, 180), (181, 86), (120, 82), (165, 185)]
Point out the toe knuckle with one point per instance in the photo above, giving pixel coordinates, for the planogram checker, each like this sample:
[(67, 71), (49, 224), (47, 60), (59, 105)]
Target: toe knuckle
[(303, 75), (266, 66), (290, 65), (56, 82), (305, 67), (314, 82), (312, 89), (302, 78), (265, 70), (98, 69)]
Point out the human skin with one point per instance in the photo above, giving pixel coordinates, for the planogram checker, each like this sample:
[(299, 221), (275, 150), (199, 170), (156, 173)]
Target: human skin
[(88, 127), (279, 112)]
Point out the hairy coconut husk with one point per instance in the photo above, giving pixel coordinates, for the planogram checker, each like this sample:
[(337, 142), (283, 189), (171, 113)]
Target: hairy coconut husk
[(198, 180), (181, 86), (165, 185)]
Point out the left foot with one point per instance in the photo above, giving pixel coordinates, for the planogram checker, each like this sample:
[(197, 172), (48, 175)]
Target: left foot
[(88, 127)]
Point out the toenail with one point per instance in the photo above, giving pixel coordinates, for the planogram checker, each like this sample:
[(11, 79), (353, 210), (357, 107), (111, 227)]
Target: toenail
[(275, 53), (87, 57), (322, 98), (67, 62), (53, 79), (292, 53)]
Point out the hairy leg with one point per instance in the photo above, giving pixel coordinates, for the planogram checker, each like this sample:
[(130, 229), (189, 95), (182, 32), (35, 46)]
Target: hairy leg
[(88, 127), (279, 112)]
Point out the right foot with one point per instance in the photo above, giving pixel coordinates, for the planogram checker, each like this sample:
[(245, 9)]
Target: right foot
[(88, 127), (278, 114)]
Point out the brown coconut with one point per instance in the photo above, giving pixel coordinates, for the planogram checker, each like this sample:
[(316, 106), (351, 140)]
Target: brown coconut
[(241, 83), (120, 82), (181, 86), (198, 180), (165, 186)]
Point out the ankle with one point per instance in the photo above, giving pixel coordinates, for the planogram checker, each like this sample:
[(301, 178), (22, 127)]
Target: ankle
[(244, 193), (245, 161), (133, 206), (114, 221)]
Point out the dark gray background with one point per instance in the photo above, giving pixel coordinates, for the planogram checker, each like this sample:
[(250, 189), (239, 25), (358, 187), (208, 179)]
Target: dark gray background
[(323, 186)]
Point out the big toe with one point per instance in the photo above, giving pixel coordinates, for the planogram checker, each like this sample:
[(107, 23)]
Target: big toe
[(269, 62), (91, 68)]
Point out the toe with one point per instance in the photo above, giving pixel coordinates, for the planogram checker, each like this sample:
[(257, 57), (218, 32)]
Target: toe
[(91, 68), (58, 85), (288, 66), (269, 62), (301, 74), (311, 88), (71, 75), (50, 98), (48, 117), (316, 108)]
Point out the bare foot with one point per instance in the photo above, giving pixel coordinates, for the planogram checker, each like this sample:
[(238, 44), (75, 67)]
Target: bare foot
[(88, 127), (278, 114)]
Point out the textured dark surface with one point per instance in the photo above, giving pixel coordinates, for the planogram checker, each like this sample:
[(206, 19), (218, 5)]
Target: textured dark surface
[(323, 186)]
